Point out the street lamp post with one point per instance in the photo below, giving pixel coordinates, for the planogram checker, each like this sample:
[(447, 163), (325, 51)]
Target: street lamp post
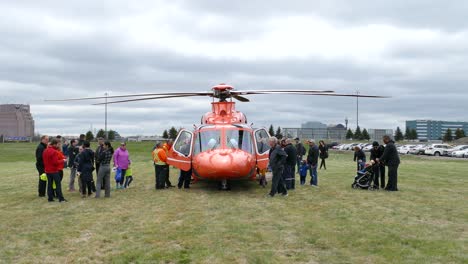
[(357, 108)]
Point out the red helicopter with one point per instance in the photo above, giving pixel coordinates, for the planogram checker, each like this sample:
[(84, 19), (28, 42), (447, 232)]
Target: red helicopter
[(224, 146)]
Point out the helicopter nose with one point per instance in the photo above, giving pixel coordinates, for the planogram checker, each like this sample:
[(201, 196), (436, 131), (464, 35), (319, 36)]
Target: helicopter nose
[(222, 164)]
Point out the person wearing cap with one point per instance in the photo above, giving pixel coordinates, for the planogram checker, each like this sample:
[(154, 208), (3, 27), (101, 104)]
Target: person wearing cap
[(391, 159), (300, 152), (312, 161), (379, 170)]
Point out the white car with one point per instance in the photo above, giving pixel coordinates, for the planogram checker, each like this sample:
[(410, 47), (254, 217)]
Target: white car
[(437, 149), (405, 149), (460, 153), (416, 150), (457, 148)]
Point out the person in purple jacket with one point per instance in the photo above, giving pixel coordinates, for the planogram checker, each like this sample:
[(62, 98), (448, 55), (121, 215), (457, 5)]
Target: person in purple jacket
[(121, 161)]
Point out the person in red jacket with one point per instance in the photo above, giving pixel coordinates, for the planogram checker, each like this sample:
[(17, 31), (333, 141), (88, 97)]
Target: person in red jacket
[(52, 165)]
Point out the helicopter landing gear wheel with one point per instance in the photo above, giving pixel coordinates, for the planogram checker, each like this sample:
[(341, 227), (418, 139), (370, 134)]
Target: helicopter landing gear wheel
[(224, 185)]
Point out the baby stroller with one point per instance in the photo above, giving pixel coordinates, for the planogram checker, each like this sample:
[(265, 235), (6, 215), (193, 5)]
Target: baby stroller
[(364, 178)]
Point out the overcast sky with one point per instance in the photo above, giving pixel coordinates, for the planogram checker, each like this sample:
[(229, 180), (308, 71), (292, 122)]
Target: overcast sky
[(414, 51)]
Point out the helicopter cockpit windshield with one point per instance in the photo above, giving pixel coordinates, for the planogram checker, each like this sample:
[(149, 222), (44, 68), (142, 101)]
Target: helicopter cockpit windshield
[(207, 140), (239, 139)]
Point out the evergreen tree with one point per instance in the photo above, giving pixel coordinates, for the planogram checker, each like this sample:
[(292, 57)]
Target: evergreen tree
[(448, 135), (459, 133), (365, 134), (407, 133), (172, 133), (101, 133), (358, 134), (398, 134), (278, 134), (165, 134), (349, 134), (271, 131), (89, 136), (111, 134)]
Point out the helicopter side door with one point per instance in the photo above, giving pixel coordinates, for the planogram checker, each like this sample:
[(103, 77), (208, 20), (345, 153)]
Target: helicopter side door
[(180, 155), (262, 148)]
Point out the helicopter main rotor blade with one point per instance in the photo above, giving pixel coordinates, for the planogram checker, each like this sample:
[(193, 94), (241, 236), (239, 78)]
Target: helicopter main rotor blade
[(352, 95), (280, 92), (149, 98), (133, 95), (240, 98)]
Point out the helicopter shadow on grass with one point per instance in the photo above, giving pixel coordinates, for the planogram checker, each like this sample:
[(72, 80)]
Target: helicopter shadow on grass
[(236, 186)]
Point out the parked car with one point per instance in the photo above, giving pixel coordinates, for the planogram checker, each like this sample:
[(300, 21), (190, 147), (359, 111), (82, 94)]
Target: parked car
[(405, 149), (437, 149), (417, 150), (460, 153), (456, 148)]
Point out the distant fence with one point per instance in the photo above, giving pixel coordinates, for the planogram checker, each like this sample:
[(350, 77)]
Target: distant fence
[(16, 139)]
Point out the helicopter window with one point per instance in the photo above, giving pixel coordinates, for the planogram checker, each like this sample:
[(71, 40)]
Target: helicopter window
[(207, 140), (261, 137), (239, 139), (182, 145)]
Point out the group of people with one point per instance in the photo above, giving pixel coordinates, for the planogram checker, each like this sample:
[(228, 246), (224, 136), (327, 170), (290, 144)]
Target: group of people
[(161, 167), (380, 156), (51, 159), (284, 157)]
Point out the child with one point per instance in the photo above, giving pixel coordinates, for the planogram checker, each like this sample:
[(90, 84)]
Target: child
[(128, 177), (303, 171)]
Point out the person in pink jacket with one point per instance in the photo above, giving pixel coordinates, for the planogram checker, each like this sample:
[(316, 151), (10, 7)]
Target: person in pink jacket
[(121, 161)]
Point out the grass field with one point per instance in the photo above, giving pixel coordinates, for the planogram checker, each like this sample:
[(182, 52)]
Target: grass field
[(426, 222)]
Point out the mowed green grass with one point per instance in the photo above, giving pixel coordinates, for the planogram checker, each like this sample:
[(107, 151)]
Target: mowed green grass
[(426, 222)]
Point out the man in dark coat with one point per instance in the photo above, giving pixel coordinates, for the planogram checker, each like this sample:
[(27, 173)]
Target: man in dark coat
[(379, 169), (97, 154), (289, 168), (277, 160), (300, 152), (312, 161), (40, 165), (392, 160)]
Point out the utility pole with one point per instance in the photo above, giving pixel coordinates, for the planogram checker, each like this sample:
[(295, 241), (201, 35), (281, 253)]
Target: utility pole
[(346, 122), (357, 108), (105, 119)]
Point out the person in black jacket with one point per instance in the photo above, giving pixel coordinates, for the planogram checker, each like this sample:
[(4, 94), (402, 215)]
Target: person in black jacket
[(277, 160), (312, 161), (323, 149), (391, 159), (85, 169), (72, 153), (359, 157), (40, 165), (301, 151), (288, 173), (379, 170)]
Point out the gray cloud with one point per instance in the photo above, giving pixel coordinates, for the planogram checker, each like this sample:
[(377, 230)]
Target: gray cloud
[(75, 49)]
